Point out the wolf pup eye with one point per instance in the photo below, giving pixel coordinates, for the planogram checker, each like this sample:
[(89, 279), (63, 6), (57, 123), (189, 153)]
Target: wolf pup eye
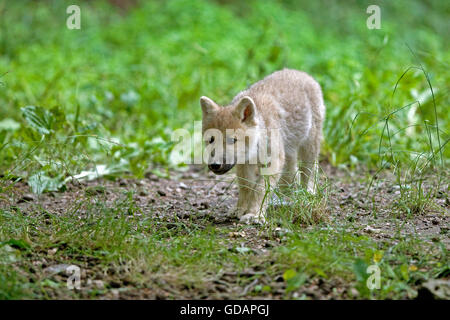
[(211, 140)]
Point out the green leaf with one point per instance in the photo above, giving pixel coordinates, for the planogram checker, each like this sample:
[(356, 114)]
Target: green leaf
[(59, 117), (266, 288), (320, 272), (130, 98), (9, 124), (39, 119), (294, 279), (404, 271), (19, 244), (40, 183), (8, 254), (289, 274), (257, 288), (360, 270), (50, 283), (243, 249)]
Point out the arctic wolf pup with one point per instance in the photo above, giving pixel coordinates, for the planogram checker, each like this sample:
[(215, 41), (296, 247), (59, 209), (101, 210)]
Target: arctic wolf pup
[(284, 113)]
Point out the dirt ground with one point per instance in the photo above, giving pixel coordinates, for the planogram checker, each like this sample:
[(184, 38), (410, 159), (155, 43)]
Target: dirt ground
[(198, 195)]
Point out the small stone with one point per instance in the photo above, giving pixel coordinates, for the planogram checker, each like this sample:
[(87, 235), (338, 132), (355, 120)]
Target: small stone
[(369, 229), (183, 215), (115, 293), (161, 193), (203, 205), (280, 232), (183, 185), (441, 194), (354, 292), (99, 284), (27, 198)]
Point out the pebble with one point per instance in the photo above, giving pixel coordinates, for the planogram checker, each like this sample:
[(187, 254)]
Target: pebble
[(369, 229), (203, 205), (183, 185), (27, 198), (355, 293)]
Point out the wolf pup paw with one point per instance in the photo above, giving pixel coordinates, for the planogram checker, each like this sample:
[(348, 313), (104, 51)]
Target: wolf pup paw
[(251, 218), (236, 212)]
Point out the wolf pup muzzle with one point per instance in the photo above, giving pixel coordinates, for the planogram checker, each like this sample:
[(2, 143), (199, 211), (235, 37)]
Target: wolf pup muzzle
[(220, 168)]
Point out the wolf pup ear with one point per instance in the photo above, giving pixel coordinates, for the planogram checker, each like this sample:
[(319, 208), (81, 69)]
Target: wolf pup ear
[(208, 105), (246, 110)]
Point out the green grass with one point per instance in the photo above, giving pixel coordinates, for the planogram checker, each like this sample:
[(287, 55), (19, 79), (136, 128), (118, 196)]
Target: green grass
[(111, 94), (130, 79), (188, 256)]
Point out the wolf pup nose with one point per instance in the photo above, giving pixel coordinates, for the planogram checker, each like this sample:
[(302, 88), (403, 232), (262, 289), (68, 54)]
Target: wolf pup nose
[(214, 167), (220, 168), (271, 130)]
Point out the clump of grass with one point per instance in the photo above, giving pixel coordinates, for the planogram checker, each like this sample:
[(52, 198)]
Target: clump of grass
[(417, 191), (418, 168), (293, 205)]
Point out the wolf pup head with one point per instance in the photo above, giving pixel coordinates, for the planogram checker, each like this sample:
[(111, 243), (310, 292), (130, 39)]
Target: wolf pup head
[(228, 133)]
